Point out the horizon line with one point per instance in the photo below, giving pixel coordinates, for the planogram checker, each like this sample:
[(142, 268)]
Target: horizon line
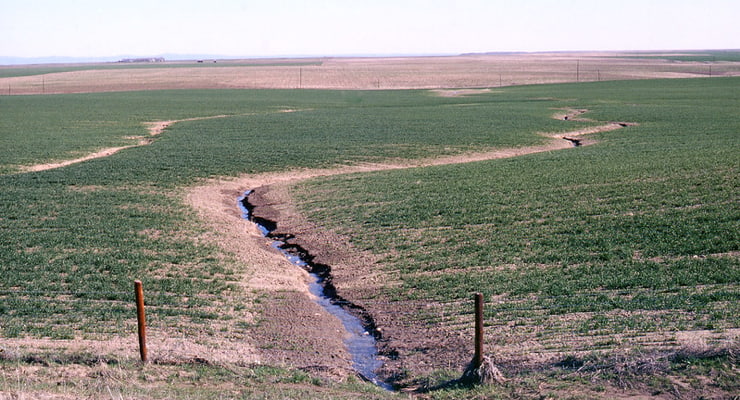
[(42, 60)]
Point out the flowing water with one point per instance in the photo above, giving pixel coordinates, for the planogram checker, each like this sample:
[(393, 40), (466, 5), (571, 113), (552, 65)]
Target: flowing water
[(360, 343)]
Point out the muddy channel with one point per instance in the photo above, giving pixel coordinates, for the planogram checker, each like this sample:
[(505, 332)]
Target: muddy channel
[(361, 334)]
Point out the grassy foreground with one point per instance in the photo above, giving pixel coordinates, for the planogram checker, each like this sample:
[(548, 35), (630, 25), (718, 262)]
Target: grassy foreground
[(638, 233), (682, 377), (73, 239)]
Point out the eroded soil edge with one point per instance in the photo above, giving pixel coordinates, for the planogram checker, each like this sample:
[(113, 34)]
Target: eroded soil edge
[(154, 129)]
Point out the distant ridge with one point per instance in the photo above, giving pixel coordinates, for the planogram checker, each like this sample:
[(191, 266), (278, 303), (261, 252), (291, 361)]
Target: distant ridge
[(9, 60), (6, 60)]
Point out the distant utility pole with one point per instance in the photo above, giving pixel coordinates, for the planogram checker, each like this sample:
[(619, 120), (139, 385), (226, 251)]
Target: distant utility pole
[(578, 70), (300, 77)]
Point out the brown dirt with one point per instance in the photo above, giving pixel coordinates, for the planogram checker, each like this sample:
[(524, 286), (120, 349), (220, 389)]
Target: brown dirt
[(465, 71), (162, 348), (98, 154), (459, 92)]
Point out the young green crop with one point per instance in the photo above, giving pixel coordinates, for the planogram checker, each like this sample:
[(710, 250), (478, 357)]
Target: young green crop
[(643, 224), (641, 228), (89, 229)]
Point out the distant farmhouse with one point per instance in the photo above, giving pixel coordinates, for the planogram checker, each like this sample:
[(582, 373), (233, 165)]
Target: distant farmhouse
[(142, 60)]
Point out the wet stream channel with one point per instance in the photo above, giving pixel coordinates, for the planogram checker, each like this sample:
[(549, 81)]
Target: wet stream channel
[(361, 333)]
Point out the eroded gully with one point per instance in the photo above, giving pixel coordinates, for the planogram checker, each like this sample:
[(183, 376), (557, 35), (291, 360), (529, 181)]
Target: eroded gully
[(362, 333)]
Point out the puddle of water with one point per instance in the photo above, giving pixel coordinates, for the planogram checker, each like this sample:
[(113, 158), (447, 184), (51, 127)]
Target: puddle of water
[(360, 343)]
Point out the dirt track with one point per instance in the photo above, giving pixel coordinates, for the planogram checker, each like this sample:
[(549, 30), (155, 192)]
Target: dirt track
[(155, 128)]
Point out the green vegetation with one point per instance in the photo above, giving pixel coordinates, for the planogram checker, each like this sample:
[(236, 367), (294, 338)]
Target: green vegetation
[(107, 377), (638, 234), (594, 377), (641, 231), (93, 227), (366, 125)]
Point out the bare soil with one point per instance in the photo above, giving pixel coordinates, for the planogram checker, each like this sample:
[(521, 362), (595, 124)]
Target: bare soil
[(464, 71), (98, 154)]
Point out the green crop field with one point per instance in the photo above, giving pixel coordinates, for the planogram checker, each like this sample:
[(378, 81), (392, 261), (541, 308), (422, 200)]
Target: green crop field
[(634, 236), (623, 244), (87, 230), (633, 212)]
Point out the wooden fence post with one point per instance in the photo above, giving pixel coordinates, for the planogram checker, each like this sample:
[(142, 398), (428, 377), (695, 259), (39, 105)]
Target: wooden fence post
[(141, 317), (478, 360), (481, 369)]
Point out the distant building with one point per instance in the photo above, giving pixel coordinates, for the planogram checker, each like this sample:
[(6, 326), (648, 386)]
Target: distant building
[(142, 60)]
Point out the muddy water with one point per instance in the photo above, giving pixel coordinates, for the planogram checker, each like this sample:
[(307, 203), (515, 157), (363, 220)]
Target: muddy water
[(360, 342)]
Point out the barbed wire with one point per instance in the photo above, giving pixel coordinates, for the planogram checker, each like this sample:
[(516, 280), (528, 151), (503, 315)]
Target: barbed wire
[(510, 320)]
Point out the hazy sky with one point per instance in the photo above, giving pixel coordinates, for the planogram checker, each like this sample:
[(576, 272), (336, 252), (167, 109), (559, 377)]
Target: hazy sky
[(94, 28)]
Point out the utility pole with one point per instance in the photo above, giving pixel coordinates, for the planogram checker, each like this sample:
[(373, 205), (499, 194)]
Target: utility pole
[(578, 70)]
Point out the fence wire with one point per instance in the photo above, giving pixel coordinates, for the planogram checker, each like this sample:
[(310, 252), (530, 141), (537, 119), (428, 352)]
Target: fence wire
[(515, 327)]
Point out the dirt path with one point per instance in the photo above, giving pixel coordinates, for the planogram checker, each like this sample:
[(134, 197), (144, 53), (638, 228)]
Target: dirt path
[(98, 154), (154, 128), (266, 270)]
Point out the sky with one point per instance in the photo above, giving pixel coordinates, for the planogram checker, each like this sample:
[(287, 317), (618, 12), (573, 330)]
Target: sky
[(271, 28)]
